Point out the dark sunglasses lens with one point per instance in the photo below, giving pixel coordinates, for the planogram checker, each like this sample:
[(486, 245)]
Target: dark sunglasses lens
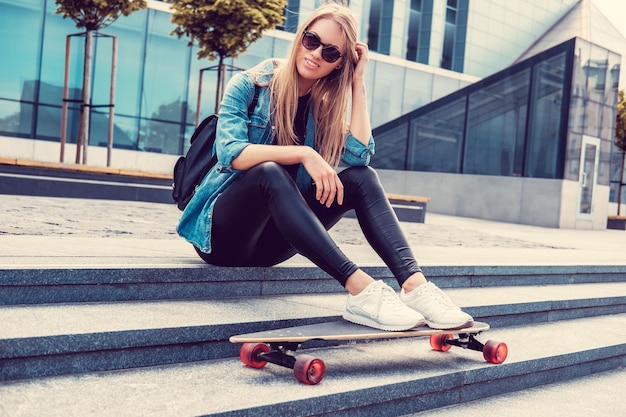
[(330, 54), (310, 41)]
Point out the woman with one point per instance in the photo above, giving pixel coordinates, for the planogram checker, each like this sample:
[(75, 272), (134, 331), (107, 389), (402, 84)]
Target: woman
[(275, 190)]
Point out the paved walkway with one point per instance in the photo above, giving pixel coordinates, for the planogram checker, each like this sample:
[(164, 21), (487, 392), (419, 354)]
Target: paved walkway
[(59, 231)]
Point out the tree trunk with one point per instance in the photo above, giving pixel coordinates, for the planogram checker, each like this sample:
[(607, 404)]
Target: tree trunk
[(83, 133), (221, 83)]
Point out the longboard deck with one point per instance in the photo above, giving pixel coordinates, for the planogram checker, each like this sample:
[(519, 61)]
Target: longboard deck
[(343, 330)]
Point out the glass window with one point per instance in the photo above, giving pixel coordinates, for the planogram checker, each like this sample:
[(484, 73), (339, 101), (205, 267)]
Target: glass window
[(593, 118), (449, 35), (49, 123), (55, 38), (596, 71), (544, 133), (496, 126), (374, 24), (426, 23), (460, 39), (20, 31), (291, 13), (392, 155), (442, 86), (125, 133), (415, 17), (16, 118), (610, 94), (604, 164), (209, 79), (164, 86), (160, 137), (380, 25), (572, 158), (263, 49), (388, 93), (130, 31), (436, 138), (101, 76), (53, 59), (165, 71), (417, 89)]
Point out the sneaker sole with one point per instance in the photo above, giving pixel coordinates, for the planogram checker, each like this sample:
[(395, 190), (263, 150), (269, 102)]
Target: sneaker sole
[(439, 326), (364, 321)]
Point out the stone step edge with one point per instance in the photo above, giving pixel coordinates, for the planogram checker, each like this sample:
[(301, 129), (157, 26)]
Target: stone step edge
[(454, 383), (49, 275), (38, 286), (34, 357)]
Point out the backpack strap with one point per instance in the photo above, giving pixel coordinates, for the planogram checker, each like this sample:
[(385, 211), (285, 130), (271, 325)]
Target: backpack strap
[(255, 99)]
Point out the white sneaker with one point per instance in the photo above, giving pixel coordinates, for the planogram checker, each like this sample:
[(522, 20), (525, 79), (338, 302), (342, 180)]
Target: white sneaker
[(438, 310), (379, 306)]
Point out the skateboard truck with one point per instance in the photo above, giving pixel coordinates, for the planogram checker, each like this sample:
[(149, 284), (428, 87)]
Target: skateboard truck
[(306, 368), (493, 351)]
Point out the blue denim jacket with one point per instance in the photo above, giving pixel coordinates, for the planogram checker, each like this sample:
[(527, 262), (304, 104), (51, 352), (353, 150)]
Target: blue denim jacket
[(235, 131)]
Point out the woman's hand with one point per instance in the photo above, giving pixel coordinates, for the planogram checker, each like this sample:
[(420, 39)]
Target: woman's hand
[(327, 183), (362, 55)]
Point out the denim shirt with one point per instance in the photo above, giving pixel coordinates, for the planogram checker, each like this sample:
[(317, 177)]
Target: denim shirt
[(235, 131)]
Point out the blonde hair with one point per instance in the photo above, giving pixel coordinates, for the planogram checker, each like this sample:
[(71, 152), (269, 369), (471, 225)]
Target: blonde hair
[(329, 95)]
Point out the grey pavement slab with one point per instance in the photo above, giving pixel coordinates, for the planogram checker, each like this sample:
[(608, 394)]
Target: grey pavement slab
[(46, 231)]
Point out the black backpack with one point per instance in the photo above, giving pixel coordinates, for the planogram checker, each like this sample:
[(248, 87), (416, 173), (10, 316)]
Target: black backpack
[(190, 170)]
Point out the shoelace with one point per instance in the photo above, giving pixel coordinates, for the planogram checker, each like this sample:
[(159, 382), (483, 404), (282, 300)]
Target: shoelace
[(439, 296), (387, 293)]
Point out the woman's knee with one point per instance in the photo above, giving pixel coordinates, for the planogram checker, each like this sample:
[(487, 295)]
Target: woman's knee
[(268, 168), (269, 173), (360, 176)]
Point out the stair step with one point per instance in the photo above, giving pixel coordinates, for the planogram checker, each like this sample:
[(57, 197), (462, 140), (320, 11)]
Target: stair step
[(59, 339), (389, 378), (193, 279)]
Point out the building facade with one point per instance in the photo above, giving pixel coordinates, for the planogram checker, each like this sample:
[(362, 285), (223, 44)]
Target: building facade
[(472, 61)]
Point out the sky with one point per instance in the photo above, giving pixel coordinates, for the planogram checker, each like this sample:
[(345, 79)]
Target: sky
[(615, 11)]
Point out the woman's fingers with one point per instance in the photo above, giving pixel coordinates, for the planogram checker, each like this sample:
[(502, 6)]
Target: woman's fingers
[(329, 189)]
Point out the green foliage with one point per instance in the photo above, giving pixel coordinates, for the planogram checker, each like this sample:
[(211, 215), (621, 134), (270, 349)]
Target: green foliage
[(97, 14), (620, 122), (225, 28)]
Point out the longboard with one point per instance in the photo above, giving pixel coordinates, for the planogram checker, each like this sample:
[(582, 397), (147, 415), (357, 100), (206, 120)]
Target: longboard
[(279, 346)]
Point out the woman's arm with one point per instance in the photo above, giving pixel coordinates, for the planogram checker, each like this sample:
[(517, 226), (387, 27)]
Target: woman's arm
[(360, 125), (255, 154), (327, 183)]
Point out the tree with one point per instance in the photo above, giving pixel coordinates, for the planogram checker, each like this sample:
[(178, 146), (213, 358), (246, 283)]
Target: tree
[(224, 28), (92, 15)]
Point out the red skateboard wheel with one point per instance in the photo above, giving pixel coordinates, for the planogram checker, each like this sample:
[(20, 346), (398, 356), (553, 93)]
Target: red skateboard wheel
[(309, 370), (495, 352), (438, 342), (249, 354)]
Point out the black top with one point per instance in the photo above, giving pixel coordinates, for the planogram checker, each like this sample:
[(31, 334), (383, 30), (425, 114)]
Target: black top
[(299, 126)]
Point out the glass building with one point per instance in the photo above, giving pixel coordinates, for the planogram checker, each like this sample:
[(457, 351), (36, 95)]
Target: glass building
[(494, 111)]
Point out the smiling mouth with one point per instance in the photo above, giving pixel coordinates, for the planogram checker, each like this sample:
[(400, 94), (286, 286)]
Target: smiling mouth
[(312, 63)]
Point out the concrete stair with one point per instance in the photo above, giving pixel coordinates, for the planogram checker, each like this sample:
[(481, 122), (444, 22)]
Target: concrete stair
[(154, 341)]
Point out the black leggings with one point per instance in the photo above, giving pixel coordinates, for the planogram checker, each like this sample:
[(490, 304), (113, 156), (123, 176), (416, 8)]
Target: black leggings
[(262, 219)]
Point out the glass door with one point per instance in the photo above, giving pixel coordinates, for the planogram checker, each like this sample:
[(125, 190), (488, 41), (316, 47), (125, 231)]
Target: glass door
[(588, 175)]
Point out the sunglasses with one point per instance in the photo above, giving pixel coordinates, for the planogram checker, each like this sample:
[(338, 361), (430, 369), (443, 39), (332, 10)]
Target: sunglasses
[(311, 41)]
